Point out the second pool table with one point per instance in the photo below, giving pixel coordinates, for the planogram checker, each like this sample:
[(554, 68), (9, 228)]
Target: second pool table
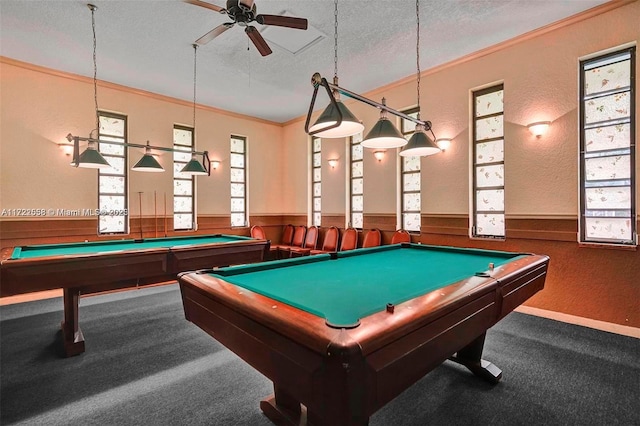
[(91, 267), (345, 333)]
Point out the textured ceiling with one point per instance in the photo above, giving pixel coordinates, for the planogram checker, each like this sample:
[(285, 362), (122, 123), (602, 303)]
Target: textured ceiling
[(147, 44)]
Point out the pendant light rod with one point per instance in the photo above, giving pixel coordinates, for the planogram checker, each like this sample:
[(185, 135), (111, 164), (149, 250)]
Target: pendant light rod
[(317, 80)]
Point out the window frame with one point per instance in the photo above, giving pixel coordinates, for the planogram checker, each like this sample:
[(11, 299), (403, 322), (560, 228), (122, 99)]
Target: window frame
[(352, 142), (316, 213), (407, 133), (244, 182), (189, 149)]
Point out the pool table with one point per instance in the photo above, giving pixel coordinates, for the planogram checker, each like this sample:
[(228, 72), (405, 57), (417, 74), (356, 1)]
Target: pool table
[(90, 267), (345, 333)]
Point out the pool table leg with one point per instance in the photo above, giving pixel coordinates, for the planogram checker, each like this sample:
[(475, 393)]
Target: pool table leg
[(471, 357), (72, 337), (281, 408)]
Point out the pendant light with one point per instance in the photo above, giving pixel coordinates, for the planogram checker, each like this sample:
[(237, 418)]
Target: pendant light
[(194, 167), (349, 125), (384, 134), (148, 162), (419, 145), (91, 157)]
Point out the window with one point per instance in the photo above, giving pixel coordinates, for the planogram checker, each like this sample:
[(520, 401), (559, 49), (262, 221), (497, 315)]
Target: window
[(112, 182), (357, 182), (607, 151), (410, 181), (238, 181), (316, 182), (488, 163), (183, 185)]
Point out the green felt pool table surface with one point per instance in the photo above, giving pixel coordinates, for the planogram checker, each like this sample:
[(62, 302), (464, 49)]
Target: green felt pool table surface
[(354, 284), (72, 249)]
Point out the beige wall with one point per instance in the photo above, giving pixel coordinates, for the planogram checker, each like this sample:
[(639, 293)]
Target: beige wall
[(540, 76), (39, 108)]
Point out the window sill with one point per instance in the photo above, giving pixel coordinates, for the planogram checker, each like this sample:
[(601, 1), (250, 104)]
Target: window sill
[(608, 246)]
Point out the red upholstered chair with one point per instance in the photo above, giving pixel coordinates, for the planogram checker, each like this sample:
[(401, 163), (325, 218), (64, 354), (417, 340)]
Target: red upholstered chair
[(330, 243), (310, 243), (400, 236), (372, 238), (349, 239), (257, 232), (299, 233), (287, 236)]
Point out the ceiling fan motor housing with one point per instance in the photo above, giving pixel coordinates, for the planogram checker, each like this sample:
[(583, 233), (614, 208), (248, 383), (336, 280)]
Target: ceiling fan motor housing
[(241, 13)]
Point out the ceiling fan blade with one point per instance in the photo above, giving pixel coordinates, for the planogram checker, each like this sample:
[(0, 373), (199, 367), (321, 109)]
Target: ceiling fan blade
[(207, 5), (214, 33), (258, 41), (282, 21)]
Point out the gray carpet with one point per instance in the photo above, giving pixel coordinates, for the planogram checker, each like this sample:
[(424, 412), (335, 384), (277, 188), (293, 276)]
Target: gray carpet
[(146, 365)]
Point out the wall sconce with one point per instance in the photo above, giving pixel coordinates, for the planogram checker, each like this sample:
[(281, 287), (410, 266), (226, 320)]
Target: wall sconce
[(66, 147), (215, 164), (443, 143), (540, 128), (333, 162), (379, 155)]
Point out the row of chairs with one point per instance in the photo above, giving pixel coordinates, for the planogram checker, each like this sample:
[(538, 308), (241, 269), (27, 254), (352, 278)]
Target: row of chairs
[(302, 241)]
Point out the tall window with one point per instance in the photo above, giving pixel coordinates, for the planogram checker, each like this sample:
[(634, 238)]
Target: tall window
[(607, 150), (357, 182), (488, 163), (112, 182), (316, 182), (410, 181), (183, 185), (238, 181)]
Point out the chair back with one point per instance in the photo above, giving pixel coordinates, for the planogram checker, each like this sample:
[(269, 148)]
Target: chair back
[(349, 239), (311, 240), (331, 237), (287, 235), (298, 236), (258, 232), (372, 238), (400, 236)]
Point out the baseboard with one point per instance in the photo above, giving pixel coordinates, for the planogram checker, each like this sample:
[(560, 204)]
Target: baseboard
[(585, 322)]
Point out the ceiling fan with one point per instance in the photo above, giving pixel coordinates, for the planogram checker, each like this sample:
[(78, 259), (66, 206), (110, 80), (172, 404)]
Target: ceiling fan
[(243, 12)]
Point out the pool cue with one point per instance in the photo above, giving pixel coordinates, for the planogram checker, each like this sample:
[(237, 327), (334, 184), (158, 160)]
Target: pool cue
[(155, 212), (140, 212), (165, 213)]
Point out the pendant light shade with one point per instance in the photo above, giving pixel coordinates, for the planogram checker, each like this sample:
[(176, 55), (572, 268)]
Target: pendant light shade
[(194, 167), (419, 145), (92, 159), (148, 163), (384, 134), (350, 125)]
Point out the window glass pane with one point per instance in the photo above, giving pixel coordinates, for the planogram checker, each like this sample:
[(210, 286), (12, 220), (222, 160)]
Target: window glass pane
[(317, 189), (411, 164), (317, 160), (182, 204), (182, 187), (237, 189), (490, 152), (317, 145), (317, 217), (112, 202), (317, 174), (492, 199), (490, 224), (356, 186), (356, 220), (356, 152), (182, 137), (487, 128), (490, 103), (411, 221), (237, 175), (408, 126), (111, 224), (607, 137), (616, 229), (183, 157), (609, 77), (111, 126), (177, 167), (602, 168), (111, 149), (490, 176), (411, 181), (237, 160), (609, 198), (411, 202), (117, 165), (183, 221), (237, 204), (112, 184), (356, 203), (607, 107), (356, 169), (317, 204), (237, 219), (237, 145)]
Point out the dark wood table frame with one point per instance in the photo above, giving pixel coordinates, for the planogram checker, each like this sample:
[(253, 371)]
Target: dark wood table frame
[(94, 273), (342, 376)]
